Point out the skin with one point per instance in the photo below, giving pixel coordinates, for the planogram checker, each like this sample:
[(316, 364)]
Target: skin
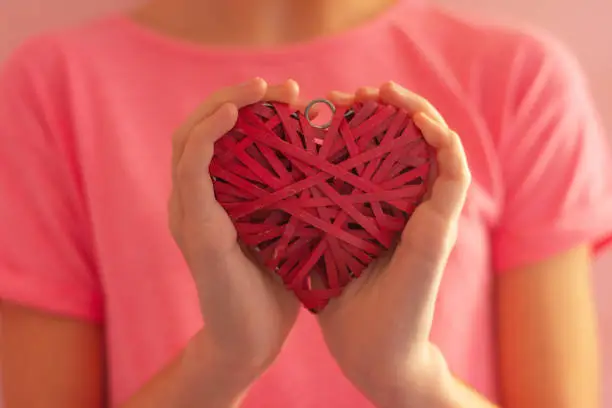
[(554, 362), (63, 359)]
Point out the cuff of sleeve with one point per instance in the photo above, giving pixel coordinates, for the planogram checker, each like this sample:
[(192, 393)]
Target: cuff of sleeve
[(50, 297), (603, 244), (512, 250)]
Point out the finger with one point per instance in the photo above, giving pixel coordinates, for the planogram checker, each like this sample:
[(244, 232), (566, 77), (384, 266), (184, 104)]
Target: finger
[(453, 175), (431, 177), (240, 95), (287, 92), (193, 179), (396, 95), (341, 98), (366, 93)]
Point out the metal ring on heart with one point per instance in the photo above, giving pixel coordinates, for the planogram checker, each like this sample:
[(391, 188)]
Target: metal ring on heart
[(309, 107)]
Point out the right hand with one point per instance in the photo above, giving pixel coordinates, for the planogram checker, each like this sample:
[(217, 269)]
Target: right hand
[(247, 313)]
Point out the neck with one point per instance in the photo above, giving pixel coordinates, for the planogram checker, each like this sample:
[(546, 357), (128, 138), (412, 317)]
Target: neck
[(256, 22)]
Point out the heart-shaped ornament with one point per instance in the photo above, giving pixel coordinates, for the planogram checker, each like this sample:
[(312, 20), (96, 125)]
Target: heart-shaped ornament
[(317, 204)]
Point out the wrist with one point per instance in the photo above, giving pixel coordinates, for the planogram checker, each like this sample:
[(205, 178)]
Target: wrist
[(213, 377), (421, 380)]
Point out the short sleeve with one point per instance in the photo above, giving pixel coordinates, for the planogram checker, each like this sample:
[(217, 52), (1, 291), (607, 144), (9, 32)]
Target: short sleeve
[(555, 161), (46, 258)]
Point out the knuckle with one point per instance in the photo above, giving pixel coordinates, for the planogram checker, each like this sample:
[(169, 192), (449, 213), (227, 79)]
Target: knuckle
[(423, 103), (455, 142), (431, 110), (462, 171), (465, 176), (427, 106)]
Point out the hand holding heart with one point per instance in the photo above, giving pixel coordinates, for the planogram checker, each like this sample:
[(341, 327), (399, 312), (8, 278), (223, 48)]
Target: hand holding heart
[(248, 314), (378, 329)]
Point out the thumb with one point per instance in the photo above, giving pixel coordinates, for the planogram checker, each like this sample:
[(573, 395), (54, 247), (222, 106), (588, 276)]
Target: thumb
[(194, 182), (422, 253)]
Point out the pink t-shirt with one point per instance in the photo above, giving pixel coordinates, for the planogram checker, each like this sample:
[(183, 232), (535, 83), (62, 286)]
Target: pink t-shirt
[(86, 117)]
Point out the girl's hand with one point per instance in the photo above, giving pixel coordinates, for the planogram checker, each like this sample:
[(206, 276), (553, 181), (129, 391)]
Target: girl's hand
[(247, 314), (378, 330)]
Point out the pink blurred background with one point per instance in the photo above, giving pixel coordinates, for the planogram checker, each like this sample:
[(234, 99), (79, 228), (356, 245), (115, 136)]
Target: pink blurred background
[(584, 28)]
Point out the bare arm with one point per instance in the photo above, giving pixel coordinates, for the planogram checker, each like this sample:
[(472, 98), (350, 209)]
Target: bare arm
[(548, 337), (196, 379), (548, 340), (56, 362), (50, 361)]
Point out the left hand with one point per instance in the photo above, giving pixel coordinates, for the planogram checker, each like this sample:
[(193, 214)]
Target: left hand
[(378, 330)]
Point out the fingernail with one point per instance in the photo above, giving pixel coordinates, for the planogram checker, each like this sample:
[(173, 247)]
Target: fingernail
[(395, 86), (292, 83)]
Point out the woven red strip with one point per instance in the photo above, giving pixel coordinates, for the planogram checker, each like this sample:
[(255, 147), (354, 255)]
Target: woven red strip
[(318, 206)]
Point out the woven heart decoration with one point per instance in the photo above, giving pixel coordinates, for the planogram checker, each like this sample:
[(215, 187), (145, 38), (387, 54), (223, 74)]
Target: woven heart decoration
[(317, 204)]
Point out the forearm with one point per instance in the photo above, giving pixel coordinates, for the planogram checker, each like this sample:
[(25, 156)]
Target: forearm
[(431, 385), (196, 378), (454, 394)]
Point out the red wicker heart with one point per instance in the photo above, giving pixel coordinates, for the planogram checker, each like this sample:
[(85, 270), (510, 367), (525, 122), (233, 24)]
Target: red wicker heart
[(323, 203)]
